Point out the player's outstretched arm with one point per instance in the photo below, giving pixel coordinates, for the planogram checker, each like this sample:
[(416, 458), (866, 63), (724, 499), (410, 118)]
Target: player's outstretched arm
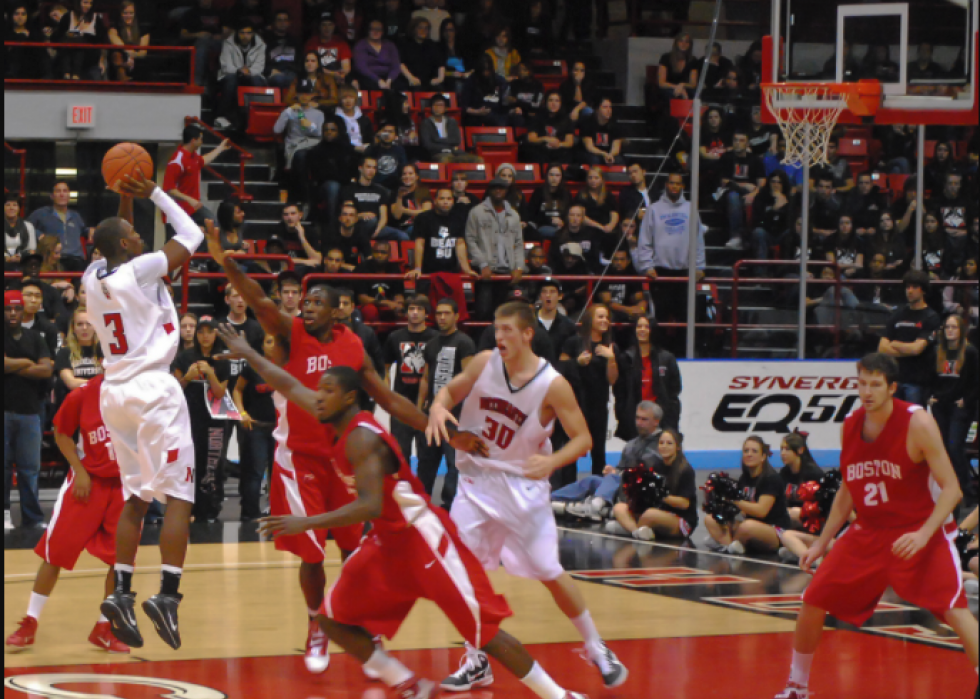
[(188, 237), (926, 442), (272, 320), (371, 459), (440, 412), (561, 399), (278, 379), (399, 407)]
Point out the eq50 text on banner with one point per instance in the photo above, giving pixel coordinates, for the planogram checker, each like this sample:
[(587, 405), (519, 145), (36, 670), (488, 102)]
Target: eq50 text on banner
[(724, 402)]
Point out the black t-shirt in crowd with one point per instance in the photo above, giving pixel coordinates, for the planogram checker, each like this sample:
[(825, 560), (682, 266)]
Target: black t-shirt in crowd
[(381, 289), (907, 325), (603, 136), (255, 336), (197, 391), (257, 397), (550, 125), (444, 357), (809, 472), (441, 235), (21, 395), (48, 332), (594, 376), (744, 169), (85, 368), (623, 293), (768, 483), (355, 246), (600, 213), (367, 199), (406, 351), (687, 487)]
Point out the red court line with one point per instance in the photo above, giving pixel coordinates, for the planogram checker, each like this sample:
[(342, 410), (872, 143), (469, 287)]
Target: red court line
[(848, 666)]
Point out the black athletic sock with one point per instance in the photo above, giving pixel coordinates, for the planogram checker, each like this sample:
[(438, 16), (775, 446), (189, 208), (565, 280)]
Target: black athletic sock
[(124, 578), (170, 580)]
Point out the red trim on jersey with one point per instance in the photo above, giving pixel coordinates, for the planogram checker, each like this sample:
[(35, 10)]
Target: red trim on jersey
[(173, 455)]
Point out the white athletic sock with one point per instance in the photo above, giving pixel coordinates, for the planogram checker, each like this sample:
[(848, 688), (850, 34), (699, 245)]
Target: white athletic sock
[(314, 613), (103, 619), (36, 605), (387, 669), (123, 568), (800, 673), (586, 627), (540, 683)]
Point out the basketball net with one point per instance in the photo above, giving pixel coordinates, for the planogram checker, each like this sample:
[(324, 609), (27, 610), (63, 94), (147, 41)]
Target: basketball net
[(807, 117)]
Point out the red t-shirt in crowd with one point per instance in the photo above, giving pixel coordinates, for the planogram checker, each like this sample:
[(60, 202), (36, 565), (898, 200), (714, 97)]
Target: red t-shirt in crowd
[(331, 52), (81, 413), (184, 174)]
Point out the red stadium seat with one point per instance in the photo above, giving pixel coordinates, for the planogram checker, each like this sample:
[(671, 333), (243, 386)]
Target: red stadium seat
[(478, 174), (265, 95), (433, 174), (377, 100), (423, 100), (262, 120), (854, 147), (489, 135), (551, 73)]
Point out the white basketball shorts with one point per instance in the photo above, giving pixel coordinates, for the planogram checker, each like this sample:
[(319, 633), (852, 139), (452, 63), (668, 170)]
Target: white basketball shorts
[(150, 429), (508, 519)]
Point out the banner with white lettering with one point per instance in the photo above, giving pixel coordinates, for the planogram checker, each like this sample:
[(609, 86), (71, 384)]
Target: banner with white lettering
[(725, 402)]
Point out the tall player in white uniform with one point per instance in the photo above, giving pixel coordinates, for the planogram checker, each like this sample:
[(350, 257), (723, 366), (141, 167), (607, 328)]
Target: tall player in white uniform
[(142, 403), (511, 398)]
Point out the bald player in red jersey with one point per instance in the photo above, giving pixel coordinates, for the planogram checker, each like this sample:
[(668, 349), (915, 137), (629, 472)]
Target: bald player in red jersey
[(302, 484), (899, 480), (86, 512), (413, 551)]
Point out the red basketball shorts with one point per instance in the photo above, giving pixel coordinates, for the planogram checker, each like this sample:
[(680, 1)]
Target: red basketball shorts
[(311, 488), (79, 526), (381, 582), (861, 566)]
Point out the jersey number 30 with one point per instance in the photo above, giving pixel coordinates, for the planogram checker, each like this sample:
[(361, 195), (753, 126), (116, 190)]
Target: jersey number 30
[(114, 323), (502, 435)]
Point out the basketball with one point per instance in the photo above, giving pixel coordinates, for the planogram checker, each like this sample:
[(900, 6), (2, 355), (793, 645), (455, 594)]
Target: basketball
[(126, 159)]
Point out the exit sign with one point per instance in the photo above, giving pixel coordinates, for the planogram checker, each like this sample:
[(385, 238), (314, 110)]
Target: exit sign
[(81, 117)]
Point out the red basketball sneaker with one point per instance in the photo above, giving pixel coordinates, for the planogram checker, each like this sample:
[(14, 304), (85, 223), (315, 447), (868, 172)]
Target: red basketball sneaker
[(23, 637), (101, 637), (417, 689), (317, 645), (794, 692)]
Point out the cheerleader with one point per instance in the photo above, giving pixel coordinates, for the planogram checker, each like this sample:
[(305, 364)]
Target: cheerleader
[(799, 468)]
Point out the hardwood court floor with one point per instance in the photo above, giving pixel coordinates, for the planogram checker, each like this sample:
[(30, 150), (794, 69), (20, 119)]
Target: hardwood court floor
[(690, 626)]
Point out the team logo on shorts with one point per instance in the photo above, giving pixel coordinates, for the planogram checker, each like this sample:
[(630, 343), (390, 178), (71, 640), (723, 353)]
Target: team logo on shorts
[(47, 686)]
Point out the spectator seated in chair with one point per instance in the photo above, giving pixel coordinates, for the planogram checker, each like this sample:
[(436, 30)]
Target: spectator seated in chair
[(302, 125), (283, 53), (242, 65), (421, 59), (442, 137), (602, 140)]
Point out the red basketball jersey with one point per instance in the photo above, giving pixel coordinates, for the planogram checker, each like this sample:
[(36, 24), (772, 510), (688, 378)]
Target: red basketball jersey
[(404, 495), (81, 413), (890, 491), (308, 359)]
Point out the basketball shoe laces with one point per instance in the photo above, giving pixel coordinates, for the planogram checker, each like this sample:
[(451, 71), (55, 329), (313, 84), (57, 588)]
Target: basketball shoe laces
[(600, 656), (473, 661), (317, 646)]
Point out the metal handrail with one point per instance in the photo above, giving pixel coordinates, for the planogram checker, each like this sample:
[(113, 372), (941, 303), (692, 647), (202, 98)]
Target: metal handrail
[(21, 154), (243, 155), (102, 47), (186, 274)]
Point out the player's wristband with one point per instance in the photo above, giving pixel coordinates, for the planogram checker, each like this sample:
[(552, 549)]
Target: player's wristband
[(188, 234)]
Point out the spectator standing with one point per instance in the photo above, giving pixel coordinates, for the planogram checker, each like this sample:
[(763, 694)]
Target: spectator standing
[(421, 60), (763, 503), (602, 139), (242, 65), (953, 395), (404, 355), (204, 379), (182, 178), (80, 360), (742, 178), (594, 496), (302, 126), (21, 62), (371, 201), (551, 138), (678, 73), (548, 208), (334, 52), (253, 398), (625, 300), (663, 247), (651, 374), (571, 262), (239, 319), (677, 515), (19, 236), (82, 25), (909, 336), (64, 224), (441, 136), (380, 299), (326, 95), (283, 53), (27, 369), (37, 317), (560, 329), (434, 15), (206, 27), (188, 329), (446, 356), (330, 167), (377, 63), (484, 94), (495, 242), (389, 156), (360, 131), (290, 292), (440, 239), (367, 336), (596, 359), (126, 32), (345, 235)]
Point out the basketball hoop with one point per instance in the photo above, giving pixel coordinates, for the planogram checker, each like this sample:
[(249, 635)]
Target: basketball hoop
[(807, 114)]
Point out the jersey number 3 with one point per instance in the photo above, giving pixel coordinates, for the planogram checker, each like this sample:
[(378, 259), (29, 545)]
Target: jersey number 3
[(114, 323), (502, 435)]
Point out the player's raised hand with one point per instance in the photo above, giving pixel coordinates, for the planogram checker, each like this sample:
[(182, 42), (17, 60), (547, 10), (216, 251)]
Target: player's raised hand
[(437, 432), (236, 344), (909, 545), (274, 527), (213, 236), (137, 187)]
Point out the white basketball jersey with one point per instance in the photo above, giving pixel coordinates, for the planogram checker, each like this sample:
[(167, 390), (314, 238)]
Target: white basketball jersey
[(133, 315), (508, 419)]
